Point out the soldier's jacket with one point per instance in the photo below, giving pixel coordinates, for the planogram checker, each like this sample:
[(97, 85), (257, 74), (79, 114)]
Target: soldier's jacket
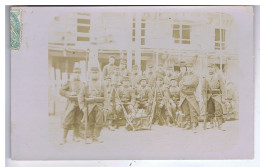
[(108, 70), (143, 94), (109, 94), (116, 80), (151, 79), (126, 95), (66, 89), (161, 94), (180, 76), (214, 87), (134, 80), (174, 93), (188, 86), (124, 72), (91, 90)]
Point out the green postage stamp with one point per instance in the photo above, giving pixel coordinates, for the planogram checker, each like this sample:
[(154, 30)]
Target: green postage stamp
[(15, 23)]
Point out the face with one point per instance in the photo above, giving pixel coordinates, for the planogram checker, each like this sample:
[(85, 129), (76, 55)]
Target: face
[(111, 60), (211, 69), (173, 82), (189, 69), (183, 69), (76, 75), (143, 82), (94, 76)]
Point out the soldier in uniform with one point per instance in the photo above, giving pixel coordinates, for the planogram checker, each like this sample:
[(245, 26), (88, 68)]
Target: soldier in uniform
[(73, 114), (150, 76), (109, 104), (125, 96), (182, 72), (143, 94), (216, 97), (135, 77), (188, 102), (116, 78), (122, 68), (91, 99), (108, 69), (231, 102), (160, 115), (169, 74), (174, 97)]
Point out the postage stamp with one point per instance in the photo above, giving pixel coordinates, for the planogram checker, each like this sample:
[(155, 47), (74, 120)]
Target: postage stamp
[(15, 22)]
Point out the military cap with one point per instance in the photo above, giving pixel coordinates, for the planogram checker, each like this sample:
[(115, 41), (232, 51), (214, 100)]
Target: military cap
[(107, 77), (125, 78), (76, 68), (182, 64), (94, 69), (142, 78), (211, 65), (111, 56), (150, 66)]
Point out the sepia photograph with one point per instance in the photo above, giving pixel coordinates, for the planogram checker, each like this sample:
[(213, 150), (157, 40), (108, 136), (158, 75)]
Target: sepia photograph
[(145, 82)]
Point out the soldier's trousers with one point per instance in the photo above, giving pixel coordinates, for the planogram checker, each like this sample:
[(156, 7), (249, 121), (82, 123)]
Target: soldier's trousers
[(141, 105), (160, 114), (189, 111), (120, 114), (95, 123), (173, 106), (72, 121), (214, 109)]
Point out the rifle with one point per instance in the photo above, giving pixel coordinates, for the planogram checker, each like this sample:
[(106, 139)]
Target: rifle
[(153, 107), (125, 113)]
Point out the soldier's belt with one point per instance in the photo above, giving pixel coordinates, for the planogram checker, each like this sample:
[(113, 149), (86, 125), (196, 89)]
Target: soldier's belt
[(95, 100)]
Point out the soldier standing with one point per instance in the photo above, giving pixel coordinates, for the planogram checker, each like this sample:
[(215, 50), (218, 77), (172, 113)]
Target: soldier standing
[(188, 103), (169, 74), (174, 97), (144, 95), (116, 78), (125, 97), (108, 69), (216, 97), (183, 71), (160, 112), (150, 76), (135, 77), (91, 98), (73, 114), (109, 104)]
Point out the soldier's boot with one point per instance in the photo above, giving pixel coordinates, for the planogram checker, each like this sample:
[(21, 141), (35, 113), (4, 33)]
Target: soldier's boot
[(96, 137), (220, 122), (212, 123), (110, 127), (194, 127), (168, 123), (188, 126), (64, 139), (88, 140)]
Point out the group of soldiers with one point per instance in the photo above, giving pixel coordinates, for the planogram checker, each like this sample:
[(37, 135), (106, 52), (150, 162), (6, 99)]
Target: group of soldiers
[(164, 95)]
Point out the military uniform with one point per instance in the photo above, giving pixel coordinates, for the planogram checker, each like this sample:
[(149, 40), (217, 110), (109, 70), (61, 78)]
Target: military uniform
[(150, 76), (188, 102), (93, 107), (144, 96), (168, 76), (108, 69), (231, 102), (109, 103), (135, 77), (125, 96), (73, 114), (215, 94), (174, 97)]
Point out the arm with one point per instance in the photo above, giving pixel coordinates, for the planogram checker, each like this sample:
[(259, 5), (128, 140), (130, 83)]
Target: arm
[(65, 90), (81, 98)]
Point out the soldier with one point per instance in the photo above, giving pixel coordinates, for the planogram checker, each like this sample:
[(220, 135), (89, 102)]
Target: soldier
[(116, 78), (125, 97), (160, 71), (169, 74), (135, 77), (174, 97), (109, 104), (108, 69), (182, 72), (160, 112), (231, 101), (91, 98), (73, 114), (150, 76), (215, 96), (144, 95), (122, 68), (188, 103)]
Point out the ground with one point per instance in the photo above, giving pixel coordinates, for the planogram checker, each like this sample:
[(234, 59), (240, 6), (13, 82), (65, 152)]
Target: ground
[(161, 142)]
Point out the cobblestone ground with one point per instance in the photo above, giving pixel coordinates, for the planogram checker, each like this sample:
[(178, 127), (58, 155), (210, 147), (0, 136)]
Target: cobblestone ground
[(161, 142)]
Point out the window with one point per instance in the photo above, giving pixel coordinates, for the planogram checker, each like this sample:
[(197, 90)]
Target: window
[(133, 31), (143, 31), (220, 38), (83, 27), (181, 34)]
